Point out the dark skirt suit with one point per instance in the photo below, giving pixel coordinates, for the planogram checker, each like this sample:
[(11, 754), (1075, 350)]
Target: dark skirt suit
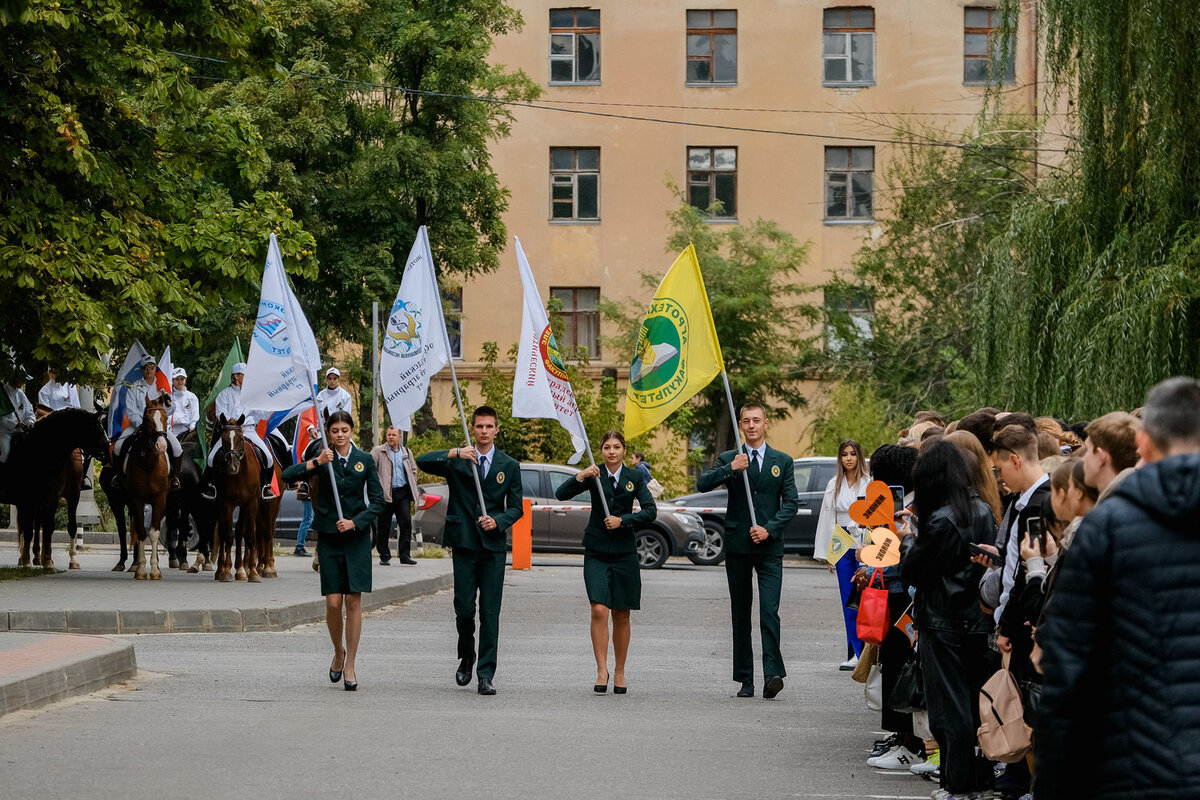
[(345, 558), (610, 564)]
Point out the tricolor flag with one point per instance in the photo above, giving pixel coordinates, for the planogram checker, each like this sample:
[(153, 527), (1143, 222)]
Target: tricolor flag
[(541, 388), (677, 352), (130, 371), (282, 368), (414, 345), (162, 375), (301, 441)]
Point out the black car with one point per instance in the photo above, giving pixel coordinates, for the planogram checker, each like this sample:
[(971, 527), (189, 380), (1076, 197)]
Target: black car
[(812, 476)]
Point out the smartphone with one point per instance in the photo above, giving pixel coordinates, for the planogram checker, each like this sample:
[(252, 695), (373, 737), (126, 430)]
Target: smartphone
[(897, 500), (1037, 532), (996, 558)]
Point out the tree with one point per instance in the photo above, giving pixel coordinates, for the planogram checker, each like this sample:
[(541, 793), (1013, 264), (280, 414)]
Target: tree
[(118, 218), (764, 326)]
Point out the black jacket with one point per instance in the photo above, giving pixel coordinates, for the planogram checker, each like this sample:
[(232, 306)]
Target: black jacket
[(1120, 710), (938, 564)]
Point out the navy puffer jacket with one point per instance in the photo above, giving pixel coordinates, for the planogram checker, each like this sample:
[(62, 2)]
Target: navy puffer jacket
[(1120, 711)]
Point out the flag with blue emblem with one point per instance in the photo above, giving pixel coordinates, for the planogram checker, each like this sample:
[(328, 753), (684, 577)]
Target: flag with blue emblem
[(130, 372)]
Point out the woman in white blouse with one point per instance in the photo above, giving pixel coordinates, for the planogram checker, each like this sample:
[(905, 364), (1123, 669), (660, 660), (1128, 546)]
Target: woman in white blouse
[(848, 485)]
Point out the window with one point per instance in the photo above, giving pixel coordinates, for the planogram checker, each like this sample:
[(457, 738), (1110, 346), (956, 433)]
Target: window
[(850, 313), (581, 313), (453, 300), (574, 45), (803, 472), (575, 183), (711, 47), (849, 174), (849, 46), (981, 37), (531, 483), (712, 176)]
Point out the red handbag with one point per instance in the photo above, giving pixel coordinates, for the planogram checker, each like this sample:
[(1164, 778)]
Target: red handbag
[(873, 616)]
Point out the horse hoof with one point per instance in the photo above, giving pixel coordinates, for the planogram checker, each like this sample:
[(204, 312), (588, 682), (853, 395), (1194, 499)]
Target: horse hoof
[(183, 566), (270, 572), (253, 578), (224, 577), (173, 563), (140, 576), (73, 565), (208, 567), (47, 563), (192, 570), (132, 568), (120, 567), (156, 576), (241, 575)]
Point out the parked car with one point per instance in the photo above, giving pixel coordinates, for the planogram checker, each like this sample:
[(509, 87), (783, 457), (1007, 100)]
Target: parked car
[(672, 533), (812, 475)]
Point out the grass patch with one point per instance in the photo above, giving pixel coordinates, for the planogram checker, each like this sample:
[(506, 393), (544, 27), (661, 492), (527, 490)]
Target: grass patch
[(430, 551), (20, 573)]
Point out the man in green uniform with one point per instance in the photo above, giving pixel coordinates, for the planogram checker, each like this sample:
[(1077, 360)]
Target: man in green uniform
[(751, 549), (478, 538)]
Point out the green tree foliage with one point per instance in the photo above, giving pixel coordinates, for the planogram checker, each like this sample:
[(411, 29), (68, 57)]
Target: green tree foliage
[(764, 325), (128, 203), (1091, 293), (853, 410)]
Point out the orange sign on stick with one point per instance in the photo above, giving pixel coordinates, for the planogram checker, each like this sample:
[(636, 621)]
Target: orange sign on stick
[(522, 538)]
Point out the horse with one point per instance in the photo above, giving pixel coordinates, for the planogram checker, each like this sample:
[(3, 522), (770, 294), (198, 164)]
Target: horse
[(147, 479), (41, 468), (187, 507), (236, 474)]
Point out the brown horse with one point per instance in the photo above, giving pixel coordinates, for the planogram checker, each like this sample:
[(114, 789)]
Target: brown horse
[(68, 485), (147, 479), (236, 474)]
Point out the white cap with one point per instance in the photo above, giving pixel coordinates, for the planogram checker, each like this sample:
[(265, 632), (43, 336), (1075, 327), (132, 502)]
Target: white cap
[(238, 368), (333, 371), (148, 361), (179, 372)]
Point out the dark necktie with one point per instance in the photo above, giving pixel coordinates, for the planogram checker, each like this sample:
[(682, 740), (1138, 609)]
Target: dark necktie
[(342, 462), (482, 467), (614, 480), (755, 469)]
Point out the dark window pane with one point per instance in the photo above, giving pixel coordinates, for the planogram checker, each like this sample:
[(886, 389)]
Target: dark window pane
[(975, 70), (1010, 71), (587, 18), (588, 201), (698, 71), (861, 184), (862, 18), (561, 191), (587, 299), (975, 44), (562, 70), (531, 482), (835, 194), (699, 45), (862, 57), (562, 18), (563, 211), (727, 193), (562, 158), (834, 44), (562, 44), (862, 158), (724, 19), (835, 70), (835, 17), (698, 195), (725, 68), (836, 158), (699, 158), (587, 158), (565, 295), (699, 19), (977, 18), (588, 59)]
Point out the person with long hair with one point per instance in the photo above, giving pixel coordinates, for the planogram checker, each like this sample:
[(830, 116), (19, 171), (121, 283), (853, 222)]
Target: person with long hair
[(849, 484), (953, 648), (343, 543), (611, 572), (982, 478)]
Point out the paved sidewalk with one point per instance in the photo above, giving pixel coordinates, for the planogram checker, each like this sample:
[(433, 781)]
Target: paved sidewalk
[(40, 668)]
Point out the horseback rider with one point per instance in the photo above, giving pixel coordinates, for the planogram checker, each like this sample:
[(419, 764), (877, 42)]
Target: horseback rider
[(333, 397), (229, 404), (139, 393), (185, 406), (55, 396), (20, 418)]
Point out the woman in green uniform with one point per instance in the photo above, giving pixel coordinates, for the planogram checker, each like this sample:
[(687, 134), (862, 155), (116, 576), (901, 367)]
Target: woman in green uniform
[(610, 563), (343, 545)]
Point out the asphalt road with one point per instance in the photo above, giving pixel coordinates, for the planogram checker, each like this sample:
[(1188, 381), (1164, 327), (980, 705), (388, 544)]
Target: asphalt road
[(253, 714)]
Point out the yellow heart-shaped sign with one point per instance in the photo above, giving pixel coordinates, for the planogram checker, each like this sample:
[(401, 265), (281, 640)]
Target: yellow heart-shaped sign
[(883, 551)]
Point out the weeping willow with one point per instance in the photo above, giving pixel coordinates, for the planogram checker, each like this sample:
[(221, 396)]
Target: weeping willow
[(1092, 292)]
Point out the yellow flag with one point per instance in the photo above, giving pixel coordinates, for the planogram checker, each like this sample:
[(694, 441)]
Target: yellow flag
[(839, 545), (677, 350)]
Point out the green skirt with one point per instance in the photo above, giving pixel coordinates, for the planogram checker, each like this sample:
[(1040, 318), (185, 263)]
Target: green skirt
[(345, 560), (613, 580)]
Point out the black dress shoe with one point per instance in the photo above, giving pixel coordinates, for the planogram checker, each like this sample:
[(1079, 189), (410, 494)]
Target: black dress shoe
[(773, 686), (485, 687), (620, 689), (408, 561), (335, 675), (601, 688), (349, 685), (385, 562), (463, 676), (747, 689)]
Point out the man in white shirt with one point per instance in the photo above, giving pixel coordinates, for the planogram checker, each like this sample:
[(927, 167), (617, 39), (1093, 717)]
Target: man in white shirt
[(19, 418), (185, 406), (139, 393), (333, 397), (229, 405), (55, 396)]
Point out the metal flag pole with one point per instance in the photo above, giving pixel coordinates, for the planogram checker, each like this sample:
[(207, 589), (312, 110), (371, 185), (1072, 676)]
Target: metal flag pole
[(599, 483), (738, 434), (320, 437)]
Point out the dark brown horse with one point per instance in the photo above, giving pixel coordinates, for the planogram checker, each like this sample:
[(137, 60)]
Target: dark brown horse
[(236, 474), (147, 478)]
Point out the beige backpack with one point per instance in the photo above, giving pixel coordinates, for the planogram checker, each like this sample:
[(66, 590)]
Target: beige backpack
[(1003, 734)]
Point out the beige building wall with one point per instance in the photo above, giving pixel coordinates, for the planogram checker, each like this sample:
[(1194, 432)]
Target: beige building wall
[(780, 176)]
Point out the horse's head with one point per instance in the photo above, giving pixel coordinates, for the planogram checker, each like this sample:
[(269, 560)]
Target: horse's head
[(233, 453), (73, 428), (154, 423)]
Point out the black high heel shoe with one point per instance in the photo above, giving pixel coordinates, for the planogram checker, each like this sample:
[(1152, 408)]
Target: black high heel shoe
[(601, 688), (620, 689), (336, 675), (349, 685)]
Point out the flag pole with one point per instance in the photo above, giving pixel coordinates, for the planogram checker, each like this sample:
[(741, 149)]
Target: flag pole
[(599, 483), (337, 498), (738, 434)]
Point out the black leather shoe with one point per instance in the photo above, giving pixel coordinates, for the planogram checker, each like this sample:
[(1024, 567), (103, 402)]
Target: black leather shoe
[(463, 676), (773, 686), (747, 689), (408, 561), (335, 675), (385, 562), (485, 687), (620, 689), (86, 484), (349, 685)]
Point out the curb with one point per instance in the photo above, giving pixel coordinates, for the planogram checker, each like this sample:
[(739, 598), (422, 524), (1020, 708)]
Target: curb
[(60, 666), (230, 620)]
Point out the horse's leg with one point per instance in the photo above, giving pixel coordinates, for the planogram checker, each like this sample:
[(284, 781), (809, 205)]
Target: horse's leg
[(239, 537), (254, 559), (137, 524), (158, 524), (136, 553), (72, 526), (22, 537), (118, 510), (222, 545), (266, 539), (47, 531)]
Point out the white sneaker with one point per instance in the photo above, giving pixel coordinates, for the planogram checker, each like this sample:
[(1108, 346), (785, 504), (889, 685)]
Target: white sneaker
[(928, 766), (848, 666), (897, 758)]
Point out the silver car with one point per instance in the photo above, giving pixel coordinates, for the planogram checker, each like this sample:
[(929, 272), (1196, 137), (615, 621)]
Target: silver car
[(555, 530)]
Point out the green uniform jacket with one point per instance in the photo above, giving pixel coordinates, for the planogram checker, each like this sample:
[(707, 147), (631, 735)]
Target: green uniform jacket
[(775, 500), (630, 484), (501, 492), (359, 506)]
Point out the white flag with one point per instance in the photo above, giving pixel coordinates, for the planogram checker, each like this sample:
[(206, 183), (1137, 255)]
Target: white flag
[(130, 371), (541, 387), (282, 368), (414, 345)]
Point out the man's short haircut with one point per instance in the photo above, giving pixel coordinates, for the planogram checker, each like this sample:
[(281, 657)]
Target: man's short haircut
[(752, 404), (485, 411), (1019, 418), (981, 424), (393, 428), (1017, 439), (929, 416), (1115, 433), (1171, 415)]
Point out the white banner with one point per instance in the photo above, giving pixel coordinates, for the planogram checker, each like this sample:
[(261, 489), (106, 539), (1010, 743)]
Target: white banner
[(129, 371), (282, 368), (541, 388), (414, 344)]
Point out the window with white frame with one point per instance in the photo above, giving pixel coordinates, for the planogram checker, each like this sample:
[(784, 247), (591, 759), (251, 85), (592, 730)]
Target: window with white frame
[(712, 177), (581, 315), (574, 183), (711, 47), (849, 178), (849, 46), (574, 45), (851, 312), (982, 37)]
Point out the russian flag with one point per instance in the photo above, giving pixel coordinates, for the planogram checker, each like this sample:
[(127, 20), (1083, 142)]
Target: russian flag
[(162, 374), (130, 371), (302, 440)]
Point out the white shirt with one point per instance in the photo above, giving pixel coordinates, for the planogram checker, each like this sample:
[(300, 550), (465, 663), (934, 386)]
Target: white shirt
[(1012, 552), (331, 400), (185, 411), (229, 403), (135, 400), (57, 396), (613, 477), (22, 408), (762, 453), (488, 455)]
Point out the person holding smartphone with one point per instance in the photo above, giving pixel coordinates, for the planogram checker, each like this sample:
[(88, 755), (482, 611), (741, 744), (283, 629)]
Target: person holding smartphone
[(844, 488)]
